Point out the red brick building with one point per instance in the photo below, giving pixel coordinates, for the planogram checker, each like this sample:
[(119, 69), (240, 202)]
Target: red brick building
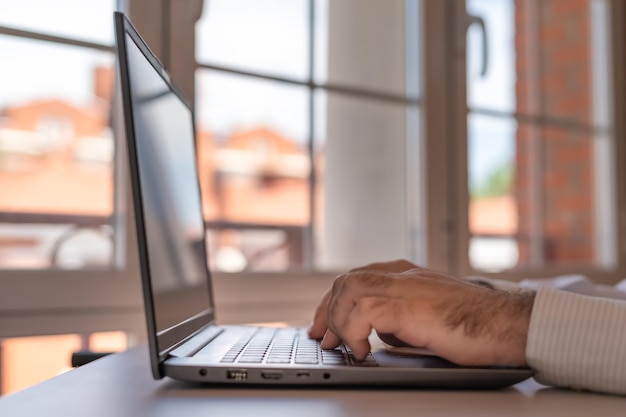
[(553, 64)]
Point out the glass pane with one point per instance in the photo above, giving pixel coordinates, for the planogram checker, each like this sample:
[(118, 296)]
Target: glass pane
[(539, 196), (364, 173), (268, 36), (367, 44), (254, 168), (553, 166), (56, 150), (85, 20), (547, 57), (577, 199), (23, 365), (261, 247), (35, 245), (493, 209), (496, 88)]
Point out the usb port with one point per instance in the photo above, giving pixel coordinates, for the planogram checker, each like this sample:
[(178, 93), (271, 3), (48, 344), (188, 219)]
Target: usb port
[(272, 375), (237, 375)]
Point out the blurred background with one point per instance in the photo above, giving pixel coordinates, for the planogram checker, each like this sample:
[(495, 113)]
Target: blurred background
[(478, 137)]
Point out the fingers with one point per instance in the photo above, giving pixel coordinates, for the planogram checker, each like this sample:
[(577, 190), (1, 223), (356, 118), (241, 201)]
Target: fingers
[(320, 319), (330, 306), (330, 340), (354, 306), (320, 322), (413, 306), (349, 289), (359, 301), (379, 313)]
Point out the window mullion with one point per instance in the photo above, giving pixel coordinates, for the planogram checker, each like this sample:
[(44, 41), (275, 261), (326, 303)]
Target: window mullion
[(438, 101)]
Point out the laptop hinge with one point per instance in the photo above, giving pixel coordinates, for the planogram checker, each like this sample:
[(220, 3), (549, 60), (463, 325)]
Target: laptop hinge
[(195, 343)]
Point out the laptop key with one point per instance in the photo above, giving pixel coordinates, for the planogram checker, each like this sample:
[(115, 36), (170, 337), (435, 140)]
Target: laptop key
[(279, 359), (306, 361)]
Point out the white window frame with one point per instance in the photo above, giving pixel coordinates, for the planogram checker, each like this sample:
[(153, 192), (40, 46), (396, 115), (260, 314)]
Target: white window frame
[(56, 301), (275, 293), (459, 232), (60, 301)]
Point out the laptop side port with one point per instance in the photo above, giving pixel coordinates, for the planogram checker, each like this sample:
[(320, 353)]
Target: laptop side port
[(303, 374), (271, 375), (237, 375)]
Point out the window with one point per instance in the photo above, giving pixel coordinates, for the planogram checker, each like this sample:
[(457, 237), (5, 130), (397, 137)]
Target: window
[(381, 107), (56, 152), (306, 110), (64, 267), (541, 137), (25, 361)]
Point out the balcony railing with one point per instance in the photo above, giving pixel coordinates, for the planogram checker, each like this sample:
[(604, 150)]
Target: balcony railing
[(292, 235)]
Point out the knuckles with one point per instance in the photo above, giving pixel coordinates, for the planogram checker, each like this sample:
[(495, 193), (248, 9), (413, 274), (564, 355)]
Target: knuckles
[(367, 279)]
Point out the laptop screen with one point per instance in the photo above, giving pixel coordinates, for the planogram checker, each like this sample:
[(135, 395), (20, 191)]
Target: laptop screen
[(172, 245)]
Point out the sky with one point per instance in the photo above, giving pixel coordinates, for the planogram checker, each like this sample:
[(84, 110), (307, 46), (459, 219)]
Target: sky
[(265, 35), (268, 36), (32, 70), (491, 141)]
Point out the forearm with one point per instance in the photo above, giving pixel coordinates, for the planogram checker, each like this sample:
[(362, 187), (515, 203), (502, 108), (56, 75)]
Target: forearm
[(578, 342)]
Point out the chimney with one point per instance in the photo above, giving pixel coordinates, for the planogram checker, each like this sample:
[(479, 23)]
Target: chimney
[(103, 83)]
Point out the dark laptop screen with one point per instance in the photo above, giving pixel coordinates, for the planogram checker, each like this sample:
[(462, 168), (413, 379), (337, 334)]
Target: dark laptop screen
[(170, 196)]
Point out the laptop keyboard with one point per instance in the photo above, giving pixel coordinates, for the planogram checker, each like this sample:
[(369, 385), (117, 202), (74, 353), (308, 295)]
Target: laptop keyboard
[(285, 346)]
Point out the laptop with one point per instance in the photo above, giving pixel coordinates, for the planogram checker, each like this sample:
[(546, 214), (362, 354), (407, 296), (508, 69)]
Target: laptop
[(184, 341)]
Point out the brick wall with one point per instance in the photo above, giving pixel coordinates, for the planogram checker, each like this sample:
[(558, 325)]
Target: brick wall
[(553, 59)]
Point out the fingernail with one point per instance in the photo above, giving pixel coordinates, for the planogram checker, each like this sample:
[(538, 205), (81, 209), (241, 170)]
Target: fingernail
[(324, 342)]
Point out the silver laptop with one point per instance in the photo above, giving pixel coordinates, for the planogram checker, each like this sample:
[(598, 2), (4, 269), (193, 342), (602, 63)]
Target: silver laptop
[(184, 341)]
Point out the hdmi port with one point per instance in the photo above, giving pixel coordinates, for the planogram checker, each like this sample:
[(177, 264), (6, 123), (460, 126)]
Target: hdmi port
[(272, 375)]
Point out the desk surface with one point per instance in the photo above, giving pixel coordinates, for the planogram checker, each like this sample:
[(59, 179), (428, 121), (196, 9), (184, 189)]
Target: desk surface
[(121, 385)]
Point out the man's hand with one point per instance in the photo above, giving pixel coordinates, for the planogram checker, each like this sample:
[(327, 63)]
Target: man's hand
[(461, 321)]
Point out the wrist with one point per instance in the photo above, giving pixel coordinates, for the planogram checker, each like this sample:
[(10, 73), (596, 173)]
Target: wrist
[(513, 325), (491, 324)]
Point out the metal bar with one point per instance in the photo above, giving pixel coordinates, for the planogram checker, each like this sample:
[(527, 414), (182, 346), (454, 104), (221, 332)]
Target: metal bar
[(333, 88), (516, 236), (166, 33), (543, 120), (603, 148), (85, 341), (68, 234), (71, 312), (308, 238), (44, 218), (536, 170), (5, 30), (296, 235), (92, 220), (414, 159), (456, 99), (221, 224)]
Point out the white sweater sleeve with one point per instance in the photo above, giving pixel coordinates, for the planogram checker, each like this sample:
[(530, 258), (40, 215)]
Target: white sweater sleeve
[(578, 341)]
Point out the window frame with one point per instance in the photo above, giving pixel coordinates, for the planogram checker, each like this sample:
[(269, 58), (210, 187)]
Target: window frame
[(44, 302), (56, 301), (276, 295), (460, 232)]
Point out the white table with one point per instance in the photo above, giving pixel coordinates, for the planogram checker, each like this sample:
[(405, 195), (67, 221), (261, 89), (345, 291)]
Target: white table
[(121, 385)]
